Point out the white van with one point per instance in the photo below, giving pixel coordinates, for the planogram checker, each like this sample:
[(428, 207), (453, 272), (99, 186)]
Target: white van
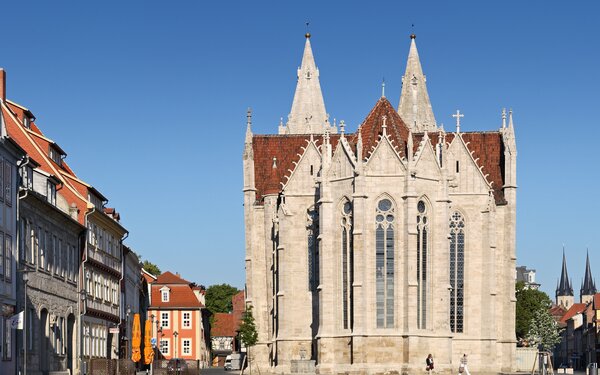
[(227, 366)]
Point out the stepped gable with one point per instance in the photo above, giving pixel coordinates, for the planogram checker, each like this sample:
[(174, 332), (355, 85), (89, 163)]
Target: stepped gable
[(287, 149), (371, 128), (487, 150)]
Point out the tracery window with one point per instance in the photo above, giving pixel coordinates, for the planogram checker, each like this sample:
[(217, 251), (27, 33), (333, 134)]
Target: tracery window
[(312, 232), (347, 264), (422, 265), (384, 263), (457, 267)]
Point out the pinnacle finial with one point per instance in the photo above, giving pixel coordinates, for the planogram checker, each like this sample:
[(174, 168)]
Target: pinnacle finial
[(307, 35), (413, 36), (383, 88), (342, 126), (503, 118), (249, 116), (510, 120)]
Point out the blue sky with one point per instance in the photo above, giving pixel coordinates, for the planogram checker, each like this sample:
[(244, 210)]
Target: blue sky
[(149, 101)]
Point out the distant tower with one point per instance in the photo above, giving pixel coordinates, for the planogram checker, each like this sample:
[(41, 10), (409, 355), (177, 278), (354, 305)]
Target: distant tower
[(564, 289), (588, 287)]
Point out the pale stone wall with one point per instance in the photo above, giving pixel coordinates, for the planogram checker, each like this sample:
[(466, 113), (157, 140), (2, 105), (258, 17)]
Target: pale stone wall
[(277, 262)]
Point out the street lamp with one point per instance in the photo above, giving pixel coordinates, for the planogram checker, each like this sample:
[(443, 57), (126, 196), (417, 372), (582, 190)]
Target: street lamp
[(175, 334)]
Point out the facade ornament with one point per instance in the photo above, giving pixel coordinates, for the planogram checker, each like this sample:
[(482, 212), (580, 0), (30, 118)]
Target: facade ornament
[(457, 116)]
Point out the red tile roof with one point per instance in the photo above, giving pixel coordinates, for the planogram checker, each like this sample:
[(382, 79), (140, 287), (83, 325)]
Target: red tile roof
[(572, 311), (270, 175), (223, 325), (371, 128), (170, 278), (179, 296)]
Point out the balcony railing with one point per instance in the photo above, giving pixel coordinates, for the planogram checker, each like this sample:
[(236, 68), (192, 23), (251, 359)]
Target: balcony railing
[(100, 305), (105, 258)]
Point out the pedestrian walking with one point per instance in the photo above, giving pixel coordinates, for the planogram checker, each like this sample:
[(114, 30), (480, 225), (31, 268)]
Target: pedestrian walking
[(463, 368), (429, 362)]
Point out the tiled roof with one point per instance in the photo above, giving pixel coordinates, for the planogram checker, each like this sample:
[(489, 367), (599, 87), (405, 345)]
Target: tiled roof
[(371, 128), (597, 301), (269, 172), (223, 325), (170, 278), (180, 296), (572, 311), (487, 149)]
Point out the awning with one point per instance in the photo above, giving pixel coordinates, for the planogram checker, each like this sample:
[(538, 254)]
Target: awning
[(148, 350), (136, 339)]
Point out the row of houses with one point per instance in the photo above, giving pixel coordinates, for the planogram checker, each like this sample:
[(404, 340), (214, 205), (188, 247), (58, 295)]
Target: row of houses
[(69, 287)]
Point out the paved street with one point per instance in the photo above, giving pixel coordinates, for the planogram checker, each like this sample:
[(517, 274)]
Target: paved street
[(217, 371)]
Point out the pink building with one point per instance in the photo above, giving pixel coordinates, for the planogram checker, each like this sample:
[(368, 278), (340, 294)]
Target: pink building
[(180, 319)]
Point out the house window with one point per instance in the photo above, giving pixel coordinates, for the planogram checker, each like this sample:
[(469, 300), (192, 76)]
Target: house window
[(7, 258), (55, 155), (165, 295), (384, 263), (6, 339), (457, 267), (186, 345), (7, 183), (164, 319), (312, 229), (187, 320), (2, 262), (422, 266), (51, 192), (347, 264), (164, 346), (26, 177)]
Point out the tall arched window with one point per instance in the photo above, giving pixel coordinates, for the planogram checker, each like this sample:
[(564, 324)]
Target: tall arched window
[(422, 268), (347, 265), (384, 263), (457, 267), (312, 232)]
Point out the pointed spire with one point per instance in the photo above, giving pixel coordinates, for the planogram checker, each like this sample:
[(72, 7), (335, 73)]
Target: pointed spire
[(308, 108), (564, 286), (415, 107), (510, 121), (588, 287), (248, 150)]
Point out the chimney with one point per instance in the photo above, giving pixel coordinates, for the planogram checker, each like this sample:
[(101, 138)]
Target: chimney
[(2, 84)]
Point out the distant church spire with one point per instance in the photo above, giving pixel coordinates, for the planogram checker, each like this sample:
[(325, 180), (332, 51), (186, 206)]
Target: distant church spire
[(588, 287), (308, 113), (564, 290), (415, 107)]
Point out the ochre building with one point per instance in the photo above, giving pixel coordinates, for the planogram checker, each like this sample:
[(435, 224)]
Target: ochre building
[(366, 251)]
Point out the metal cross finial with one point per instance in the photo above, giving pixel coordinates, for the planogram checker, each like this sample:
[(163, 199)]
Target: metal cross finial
[(457, 116)]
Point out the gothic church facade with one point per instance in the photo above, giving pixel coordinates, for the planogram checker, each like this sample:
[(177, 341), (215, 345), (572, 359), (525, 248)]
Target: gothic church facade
[(366, 251)]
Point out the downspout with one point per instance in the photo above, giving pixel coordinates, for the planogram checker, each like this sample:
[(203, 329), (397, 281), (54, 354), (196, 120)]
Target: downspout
[(82, 289), (22, 163), (120, 286)]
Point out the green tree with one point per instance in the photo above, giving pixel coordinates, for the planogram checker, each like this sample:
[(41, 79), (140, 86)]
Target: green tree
[(543, 330), (151, 268), (528, 302), (248, 334), (218, 298)]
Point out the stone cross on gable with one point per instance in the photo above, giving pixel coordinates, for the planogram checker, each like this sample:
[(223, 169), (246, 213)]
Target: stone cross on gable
[(458, 115)]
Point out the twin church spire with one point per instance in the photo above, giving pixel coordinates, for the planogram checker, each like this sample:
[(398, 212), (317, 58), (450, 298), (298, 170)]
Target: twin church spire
[(308, 113)]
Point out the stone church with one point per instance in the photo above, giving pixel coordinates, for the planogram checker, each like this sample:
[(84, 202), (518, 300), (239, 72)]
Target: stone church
[(366, 251)]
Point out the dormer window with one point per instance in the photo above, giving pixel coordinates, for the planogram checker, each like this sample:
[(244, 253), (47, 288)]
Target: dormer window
[(56, 156), (26, 122), (165, 294), (51, 192), (26, 177)]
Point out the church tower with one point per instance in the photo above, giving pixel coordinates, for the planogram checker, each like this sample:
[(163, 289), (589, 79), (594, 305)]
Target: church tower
[(588, 287), (308, 113), (564, 289), (415, 107)]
